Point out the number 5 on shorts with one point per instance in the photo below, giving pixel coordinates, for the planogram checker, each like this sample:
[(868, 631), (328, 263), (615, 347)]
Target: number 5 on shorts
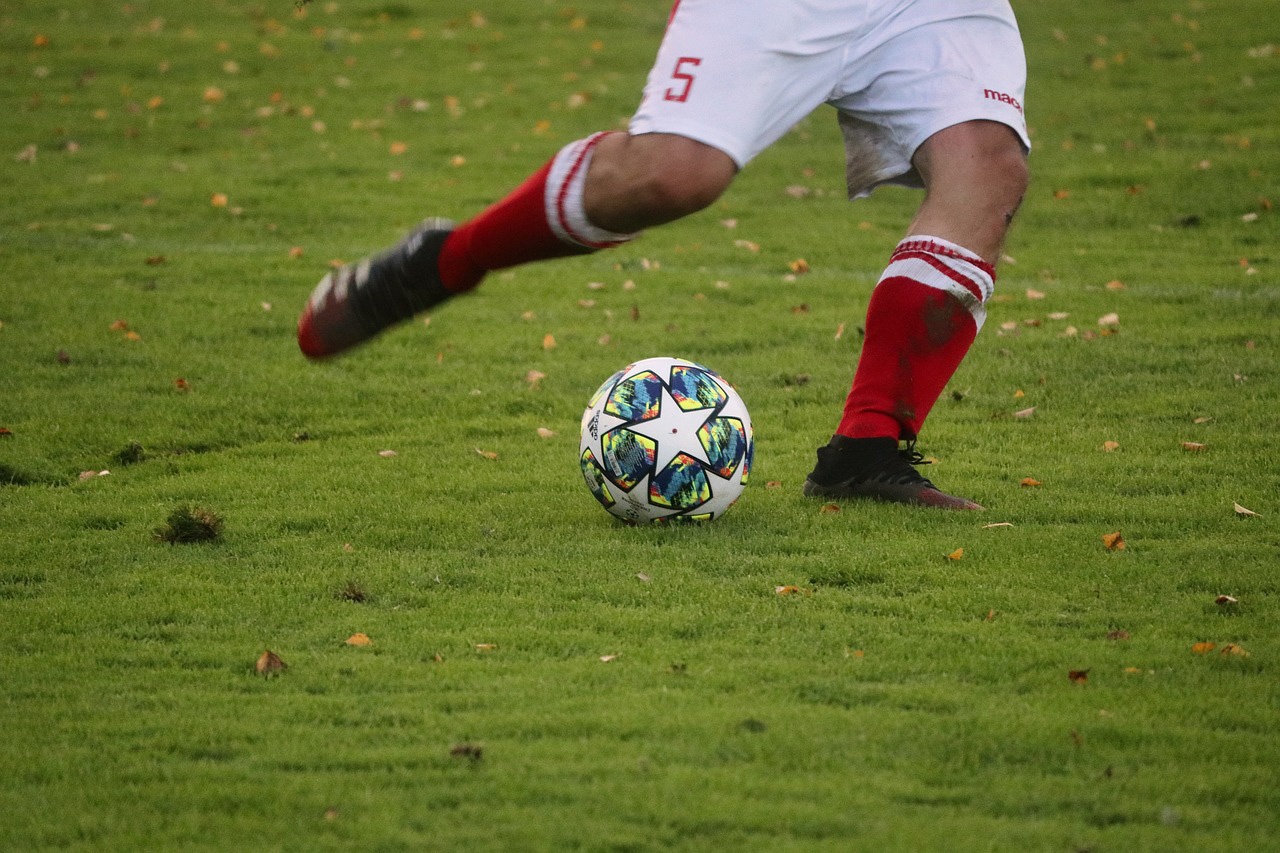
[(681, 93)]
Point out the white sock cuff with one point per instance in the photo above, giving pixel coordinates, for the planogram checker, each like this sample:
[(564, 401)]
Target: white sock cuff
[(564, 207), (941, 264)]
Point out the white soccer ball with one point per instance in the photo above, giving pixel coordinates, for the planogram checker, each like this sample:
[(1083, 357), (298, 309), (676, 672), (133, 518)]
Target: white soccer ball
[(665, 438)]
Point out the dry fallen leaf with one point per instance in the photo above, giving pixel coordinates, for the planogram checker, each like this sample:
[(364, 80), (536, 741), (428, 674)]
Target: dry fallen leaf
[(486, 647), (956, 554), (790, 590), (1113, 541), (1110, 446), (1025, 413), (996, 524), (1194, 446), (548, 341), (1243, 512), (608, 658), (1203, 648), (1226, 600), (269, 663), (387, 454), (1234, 650), (830, 509), (1118, 634), (543, 432), (1030, 482), (487, 454), (1078, 676), (1109, 320), (359, 639)]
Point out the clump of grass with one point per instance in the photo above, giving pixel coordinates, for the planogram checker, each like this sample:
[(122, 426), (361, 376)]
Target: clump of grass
[(190, 524), (131, 454), (352, 591)]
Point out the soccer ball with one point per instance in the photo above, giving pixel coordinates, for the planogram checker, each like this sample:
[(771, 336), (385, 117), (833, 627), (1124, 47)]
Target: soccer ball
[(665, 438)]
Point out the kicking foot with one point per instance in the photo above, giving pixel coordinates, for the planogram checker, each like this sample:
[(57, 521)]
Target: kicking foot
[(875, 468), (353, 304)]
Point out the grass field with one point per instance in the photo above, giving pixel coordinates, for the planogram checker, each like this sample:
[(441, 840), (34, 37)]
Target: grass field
[(178, 176)]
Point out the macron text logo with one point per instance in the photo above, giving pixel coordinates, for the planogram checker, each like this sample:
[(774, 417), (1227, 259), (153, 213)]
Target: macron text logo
[(1002, 98)]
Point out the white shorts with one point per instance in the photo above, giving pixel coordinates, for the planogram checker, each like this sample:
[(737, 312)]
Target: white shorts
[(738, 74)]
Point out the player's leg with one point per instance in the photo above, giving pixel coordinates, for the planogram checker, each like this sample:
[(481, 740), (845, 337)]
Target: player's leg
[(925, 313), (594, 193), (928, 305)]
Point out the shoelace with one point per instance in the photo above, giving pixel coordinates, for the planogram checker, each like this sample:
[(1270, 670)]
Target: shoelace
[(913, 456)]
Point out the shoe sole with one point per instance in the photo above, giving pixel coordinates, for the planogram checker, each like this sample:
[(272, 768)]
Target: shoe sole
[(910, 495)]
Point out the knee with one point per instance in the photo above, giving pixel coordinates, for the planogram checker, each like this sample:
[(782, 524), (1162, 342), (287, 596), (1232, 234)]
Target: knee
[(639, 181)]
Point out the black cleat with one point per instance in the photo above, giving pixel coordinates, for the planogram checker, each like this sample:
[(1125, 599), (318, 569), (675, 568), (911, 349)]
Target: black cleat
[(875, 468), (353, 304)]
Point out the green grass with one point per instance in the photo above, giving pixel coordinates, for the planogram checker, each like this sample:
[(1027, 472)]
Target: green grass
[(905, 702)]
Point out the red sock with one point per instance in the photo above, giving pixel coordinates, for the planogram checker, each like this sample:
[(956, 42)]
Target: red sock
[(923, 316), (541, 219)]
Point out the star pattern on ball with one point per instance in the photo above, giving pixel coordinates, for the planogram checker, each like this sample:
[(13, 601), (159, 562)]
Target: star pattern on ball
[(672, 429)]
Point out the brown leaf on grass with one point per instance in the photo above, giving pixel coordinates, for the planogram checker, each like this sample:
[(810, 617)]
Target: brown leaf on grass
[(487, 454), (5, 432), (1025, 413), (543, 432), (1194, 446), (991, 616), (388, 454), (486, 647), (1035, 294), (1243, 512), (181, 384), (120, 326), (1226, 600), (1118, 634), (1203, 648), (799, 266), (993, 525), (1110, 446), (1234, 650), (533, 378), (747, 244), (269, 664), (840, 331), (830, 509), (548, 341), (218, 200), (1113, 541), (1078, 676), (608, 658), (1114, 284), (1109, 321), (790, 590), (955, 555), (359, 639), (1030, 482)]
